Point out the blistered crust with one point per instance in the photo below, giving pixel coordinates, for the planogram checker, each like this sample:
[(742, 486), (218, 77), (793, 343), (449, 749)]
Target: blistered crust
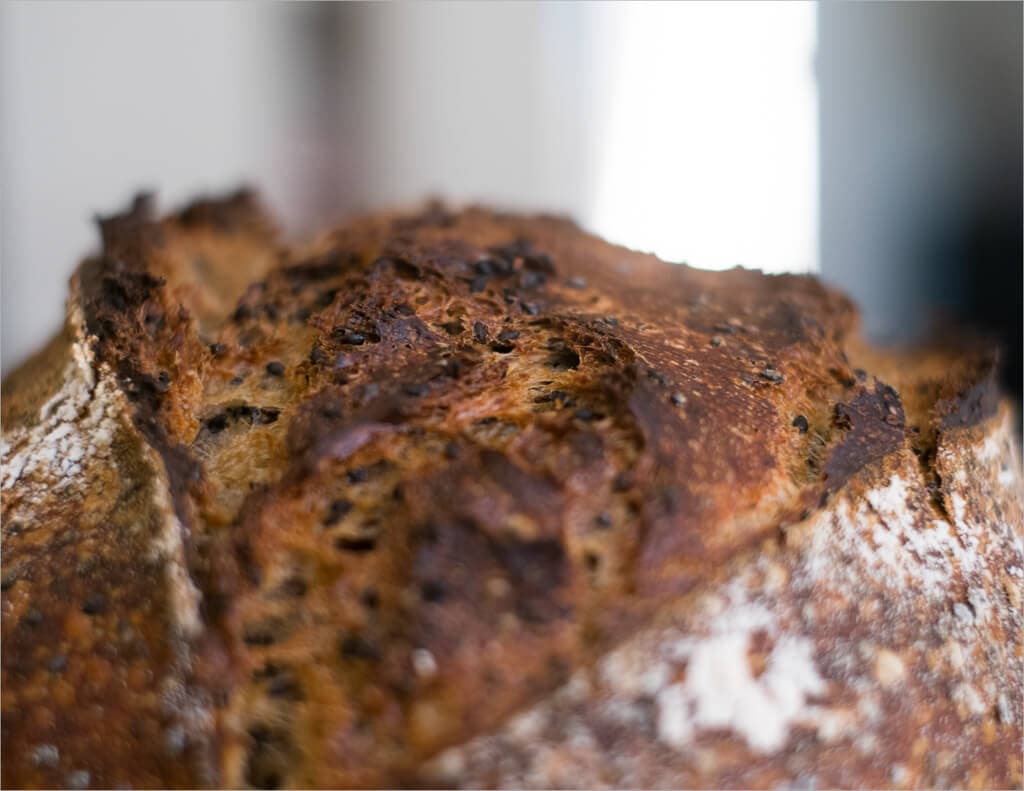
[(427, 473)]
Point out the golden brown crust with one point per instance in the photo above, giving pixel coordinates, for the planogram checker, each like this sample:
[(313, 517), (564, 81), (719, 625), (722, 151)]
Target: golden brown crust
[(427, 468)]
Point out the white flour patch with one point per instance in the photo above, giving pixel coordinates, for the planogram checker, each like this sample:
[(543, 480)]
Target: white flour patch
[(720, 691), (75, 425), (880, 543)]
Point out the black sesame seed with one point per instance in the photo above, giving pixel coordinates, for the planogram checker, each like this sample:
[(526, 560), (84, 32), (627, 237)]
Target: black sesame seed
[(32, 618), (716, 340), (415, 390), (358, 545), (530, 309), (577, 282), (657, 376), (508, 335), (259, 635), (801, 423), (772, 375), (275, 368), (294, 586), (725, 329), (530, 280), (585, 415), (432, 591), (603, 520), (242, 312), (317, 355), (352, 338), (58, 663), (678, 399), (480, 332), (502, 348), (358, 475), (217, 423), (336, 511), (452, 368), (478, 284), (451, 451), (285, 686), (94, 604), (354, 646), (217, 349), (485, 266), (623, 482), (538, 262), (370, 598), (237, 380)]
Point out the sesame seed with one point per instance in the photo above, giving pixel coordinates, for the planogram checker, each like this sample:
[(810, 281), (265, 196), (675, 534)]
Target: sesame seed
[(275, 368), (423, 663), (800, 422), (354, 646), (46, 755), (352, 338), (58, 663), (94, 604), (337, 511), (432, 591)]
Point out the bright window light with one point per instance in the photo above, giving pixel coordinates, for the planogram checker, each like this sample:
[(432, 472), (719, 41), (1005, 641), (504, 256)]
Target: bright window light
[(708, 150)]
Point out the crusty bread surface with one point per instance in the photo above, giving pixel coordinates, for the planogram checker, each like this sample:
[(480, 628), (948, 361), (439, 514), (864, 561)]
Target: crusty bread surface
[(465, 498)]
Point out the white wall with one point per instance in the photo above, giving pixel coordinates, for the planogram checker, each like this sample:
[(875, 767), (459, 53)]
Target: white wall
[(99, 100), (709, 150), (685, 129)]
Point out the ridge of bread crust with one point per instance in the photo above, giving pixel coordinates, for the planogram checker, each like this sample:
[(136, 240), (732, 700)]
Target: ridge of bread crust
[(416, 478)]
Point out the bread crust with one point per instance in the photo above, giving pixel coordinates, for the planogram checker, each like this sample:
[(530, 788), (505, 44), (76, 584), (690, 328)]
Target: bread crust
[(361, 507)]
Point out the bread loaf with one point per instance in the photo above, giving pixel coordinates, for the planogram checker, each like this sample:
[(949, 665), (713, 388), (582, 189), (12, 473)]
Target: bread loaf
[(477, 499)]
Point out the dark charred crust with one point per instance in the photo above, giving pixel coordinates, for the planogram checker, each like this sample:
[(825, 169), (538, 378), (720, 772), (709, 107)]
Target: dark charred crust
[(973, 403), (872, 426)]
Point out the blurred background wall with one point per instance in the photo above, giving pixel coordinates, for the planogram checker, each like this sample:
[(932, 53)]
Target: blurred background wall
[(921, 168), (879, 143)]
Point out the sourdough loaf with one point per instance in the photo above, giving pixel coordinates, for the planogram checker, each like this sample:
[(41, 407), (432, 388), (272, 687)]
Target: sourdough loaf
[(477, 499)]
